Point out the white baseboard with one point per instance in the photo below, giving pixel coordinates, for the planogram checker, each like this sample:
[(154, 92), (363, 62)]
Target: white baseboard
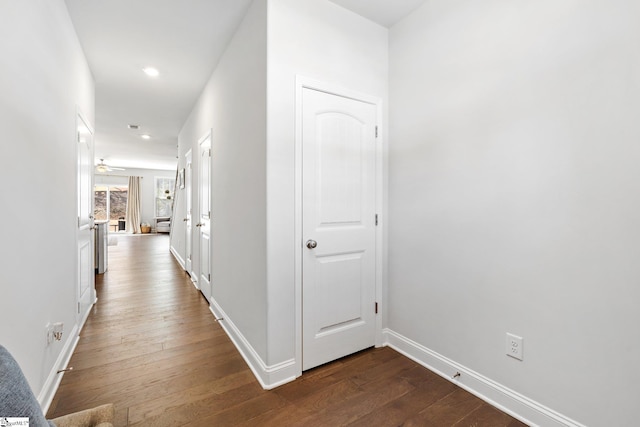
[(50, 386), (194, 280), (269, 377), (177, 256), (503, 398)]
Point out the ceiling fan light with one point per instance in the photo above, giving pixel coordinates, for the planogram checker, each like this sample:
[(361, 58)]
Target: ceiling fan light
[(101, 168)]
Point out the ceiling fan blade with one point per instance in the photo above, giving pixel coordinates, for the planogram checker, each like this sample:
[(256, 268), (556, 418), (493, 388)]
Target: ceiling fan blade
[(118, 169)]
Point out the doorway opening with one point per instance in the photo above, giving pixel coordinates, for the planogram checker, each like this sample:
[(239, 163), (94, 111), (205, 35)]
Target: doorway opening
[(111, 206)]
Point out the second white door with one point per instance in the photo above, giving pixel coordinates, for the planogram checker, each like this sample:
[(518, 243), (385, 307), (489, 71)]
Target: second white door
[(204, 216), (188, 229), (338, 226)]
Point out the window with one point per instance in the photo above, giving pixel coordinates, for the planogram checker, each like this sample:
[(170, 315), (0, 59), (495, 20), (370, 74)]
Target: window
[(111, 205), (164, 196)]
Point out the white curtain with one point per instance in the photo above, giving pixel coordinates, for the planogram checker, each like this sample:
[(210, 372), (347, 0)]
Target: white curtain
[(133, 205)]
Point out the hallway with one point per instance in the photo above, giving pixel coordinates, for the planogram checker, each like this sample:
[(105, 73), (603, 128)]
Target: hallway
[(152, 347)]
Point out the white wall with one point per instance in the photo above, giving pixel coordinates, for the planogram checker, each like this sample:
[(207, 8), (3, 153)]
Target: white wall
[(233, 105), (320, 40), (249, 103), (43, 78), (147, 187), (513, 195)]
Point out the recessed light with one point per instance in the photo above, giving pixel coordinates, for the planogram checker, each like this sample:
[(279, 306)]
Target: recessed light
[(133, 127), (145, 136), (151, 72)]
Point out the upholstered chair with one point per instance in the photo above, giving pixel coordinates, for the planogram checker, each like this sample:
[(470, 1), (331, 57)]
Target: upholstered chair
[(17, 400)]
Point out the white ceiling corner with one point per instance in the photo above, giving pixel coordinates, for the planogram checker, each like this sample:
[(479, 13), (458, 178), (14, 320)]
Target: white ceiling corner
[(384, 12)]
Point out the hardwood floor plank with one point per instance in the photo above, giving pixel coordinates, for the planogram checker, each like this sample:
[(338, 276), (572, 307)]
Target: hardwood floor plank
[(240, 414), (152, 348), (447, 411), (349, 410), (199, 409), (428, 390), (487, 416), (153, 408)]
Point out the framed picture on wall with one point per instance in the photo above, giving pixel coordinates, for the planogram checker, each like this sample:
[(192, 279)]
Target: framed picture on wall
[(181, 178)]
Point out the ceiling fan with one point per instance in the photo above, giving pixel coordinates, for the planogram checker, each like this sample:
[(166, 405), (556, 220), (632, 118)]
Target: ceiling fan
[(102, 167)]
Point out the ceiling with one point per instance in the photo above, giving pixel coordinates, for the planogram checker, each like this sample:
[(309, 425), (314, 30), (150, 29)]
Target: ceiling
[(384, 12), (183, 40)]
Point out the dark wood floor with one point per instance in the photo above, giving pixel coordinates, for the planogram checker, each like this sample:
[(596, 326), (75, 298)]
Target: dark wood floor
[(151, 347)]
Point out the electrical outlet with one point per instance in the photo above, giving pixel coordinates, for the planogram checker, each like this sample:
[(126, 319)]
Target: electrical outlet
[(514, 346), (54, 332), (58, 327)]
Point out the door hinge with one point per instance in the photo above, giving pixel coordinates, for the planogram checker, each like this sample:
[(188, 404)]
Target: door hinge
[(78, 307), (209, 277), (376, 131), (376, 308), (376, 220)]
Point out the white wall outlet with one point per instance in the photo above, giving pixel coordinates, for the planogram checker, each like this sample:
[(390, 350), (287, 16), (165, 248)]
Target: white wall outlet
[(514, 346), (58, 327), (54, 332)]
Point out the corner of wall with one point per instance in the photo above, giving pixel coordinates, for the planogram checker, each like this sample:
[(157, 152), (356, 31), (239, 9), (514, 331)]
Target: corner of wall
[(503, 398), (269, 376)]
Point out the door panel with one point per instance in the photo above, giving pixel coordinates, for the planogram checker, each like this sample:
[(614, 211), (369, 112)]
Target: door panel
[(339, 275), (204, 217), (338, 214)]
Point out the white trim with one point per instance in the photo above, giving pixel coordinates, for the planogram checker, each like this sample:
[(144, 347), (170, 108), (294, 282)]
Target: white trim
[(308, 83), (380, 228), (85, 316), (80, 116), (269, 376), (50, 387), (526, 410), (188, 226), (177, 256), (194, 280)]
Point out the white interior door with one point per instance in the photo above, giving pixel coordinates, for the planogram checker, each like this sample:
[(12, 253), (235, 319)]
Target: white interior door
[(338, 226), (188, 217), (204, 216), (86, 283)]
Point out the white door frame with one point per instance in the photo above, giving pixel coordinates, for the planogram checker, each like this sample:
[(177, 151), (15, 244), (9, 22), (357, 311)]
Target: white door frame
[(201, 283), (81, 317), (188, 184), (307, 83)]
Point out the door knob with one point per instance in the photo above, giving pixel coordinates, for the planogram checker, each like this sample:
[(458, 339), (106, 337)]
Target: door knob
[(199, 225), (311, 244), (185, 219)]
